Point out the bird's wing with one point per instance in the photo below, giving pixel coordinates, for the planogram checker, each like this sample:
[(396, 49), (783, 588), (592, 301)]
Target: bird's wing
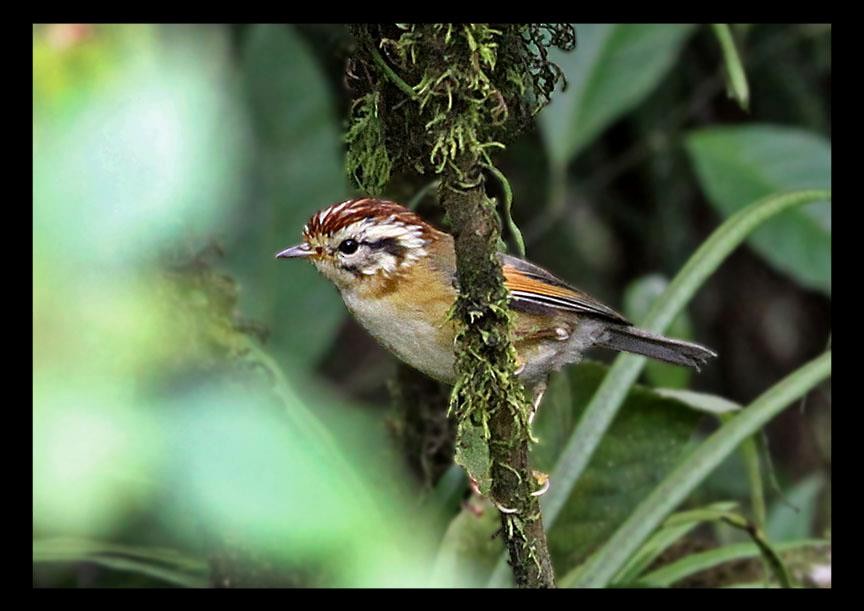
[(533, 287)]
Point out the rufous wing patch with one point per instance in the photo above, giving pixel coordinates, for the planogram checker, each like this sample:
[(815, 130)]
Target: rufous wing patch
[(531, 289)]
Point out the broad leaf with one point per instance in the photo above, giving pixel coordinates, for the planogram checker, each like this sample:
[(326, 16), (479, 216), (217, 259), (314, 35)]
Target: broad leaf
[(675, 487), (737, 165), (469, 548), (298, 171), (637, 452), (791, 517), (612, 69)]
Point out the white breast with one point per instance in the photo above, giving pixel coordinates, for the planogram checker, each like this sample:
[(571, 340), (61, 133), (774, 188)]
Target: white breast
[(411, 338)]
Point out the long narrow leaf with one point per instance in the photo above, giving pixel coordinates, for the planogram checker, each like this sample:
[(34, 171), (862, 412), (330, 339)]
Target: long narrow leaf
[(736, 79), (610, 395), (749, 449), (626, 369), (603, 565), (164, 564), (772, 560), (695, 563), (750, 453), (675, 527)]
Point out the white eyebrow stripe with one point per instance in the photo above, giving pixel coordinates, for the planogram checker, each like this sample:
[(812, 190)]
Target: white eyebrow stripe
[(369, 230)]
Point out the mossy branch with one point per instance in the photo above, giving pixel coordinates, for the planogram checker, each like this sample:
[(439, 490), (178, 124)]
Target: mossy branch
[(477, 86), (488, 399)]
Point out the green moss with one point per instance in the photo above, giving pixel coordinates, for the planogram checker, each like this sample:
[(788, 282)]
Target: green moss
[(368, 161), (487, 400), (445, 91)]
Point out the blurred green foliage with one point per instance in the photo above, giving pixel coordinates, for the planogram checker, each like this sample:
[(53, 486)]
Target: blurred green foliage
[(298, 169), (151, 400), (128, 151)]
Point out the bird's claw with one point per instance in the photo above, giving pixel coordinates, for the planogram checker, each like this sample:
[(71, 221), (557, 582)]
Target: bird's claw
[(543, 480)]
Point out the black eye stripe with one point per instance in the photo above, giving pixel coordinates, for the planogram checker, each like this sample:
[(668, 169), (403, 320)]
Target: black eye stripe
[(388, 245)]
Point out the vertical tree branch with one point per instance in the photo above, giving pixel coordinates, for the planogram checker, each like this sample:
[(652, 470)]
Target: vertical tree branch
[(488, 390), (473, 86)]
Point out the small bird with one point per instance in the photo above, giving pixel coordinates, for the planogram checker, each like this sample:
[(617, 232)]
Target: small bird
[(397, 276)]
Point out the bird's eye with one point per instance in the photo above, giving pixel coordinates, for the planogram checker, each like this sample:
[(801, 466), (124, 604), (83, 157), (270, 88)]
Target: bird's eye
[(348, 247)]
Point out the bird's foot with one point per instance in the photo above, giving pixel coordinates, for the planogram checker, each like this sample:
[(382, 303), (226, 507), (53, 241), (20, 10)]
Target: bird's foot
[(542, 480)]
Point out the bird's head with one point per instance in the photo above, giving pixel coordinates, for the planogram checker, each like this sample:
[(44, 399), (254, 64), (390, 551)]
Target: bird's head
[(363, 240)]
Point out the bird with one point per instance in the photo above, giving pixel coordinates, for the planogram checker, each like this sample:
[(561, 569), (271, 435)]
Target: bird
[(397, 275)]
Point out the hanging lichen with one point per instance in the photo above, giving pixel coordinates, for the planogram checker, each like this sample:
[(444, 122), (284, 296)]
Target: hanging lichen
[(368, 161), (426, 95)]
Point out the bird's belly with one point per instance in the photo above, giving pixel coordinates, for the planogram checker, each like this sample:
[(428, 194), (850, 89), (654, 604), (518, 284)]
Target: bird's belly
[(426, 342), (423, 344)]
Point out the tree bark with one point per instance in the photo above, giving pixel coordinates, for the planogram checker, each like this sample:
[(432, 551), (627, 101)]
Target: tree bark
[(485, 344)]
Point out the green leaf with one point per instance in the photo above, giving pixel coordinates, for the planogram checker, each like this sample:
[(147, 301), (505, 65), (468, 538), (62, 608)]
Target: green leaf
[(750, 454), (640, 448), (736, 520), (792, 517), (638, 298), (299, 170), (736, 79), (600, 568), (472, 452), (469, 548), (447, 493), (674, 528), (711, 404), (159, 563), (600, 412), (696, 563), (737, 165), (612, 69)]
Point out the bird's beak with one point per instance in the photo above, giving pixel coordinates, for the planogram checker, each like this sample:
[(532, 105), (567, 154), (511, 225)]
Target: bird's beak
[(301, 250)]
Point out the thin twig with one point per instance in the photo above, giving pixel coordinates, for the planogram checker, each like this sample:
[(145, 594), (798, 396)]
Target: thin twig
[(390, 73), (508, 203)]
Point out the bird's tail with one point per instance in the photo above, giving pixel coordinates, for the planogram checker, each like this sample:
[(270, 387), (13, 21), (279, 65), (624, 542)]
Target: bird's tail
[(676, 351)]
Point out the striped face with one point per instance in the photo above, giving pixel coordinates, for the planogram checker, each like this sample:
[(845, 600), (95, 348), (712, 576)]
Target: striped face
[(365, 238)]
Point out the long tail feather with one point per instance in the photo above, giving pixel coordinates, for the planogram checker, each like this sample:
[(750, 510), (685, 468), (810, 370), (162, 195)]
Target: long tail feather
[(639, 341)]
